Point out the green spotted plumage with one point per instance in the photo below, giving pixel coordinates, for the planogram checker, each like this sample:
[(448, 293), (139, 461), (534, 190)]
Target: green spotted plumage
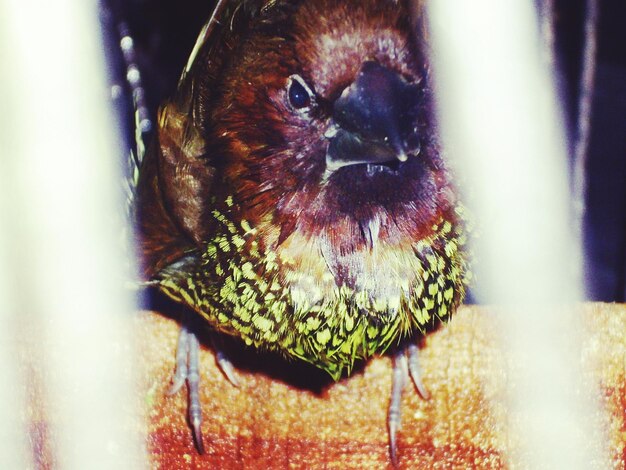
[(238, 287)]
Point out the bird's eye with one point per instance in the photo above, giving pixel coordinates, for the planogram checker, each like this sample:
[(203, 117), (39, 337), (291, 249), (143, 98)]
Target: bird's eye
[(300, 94)]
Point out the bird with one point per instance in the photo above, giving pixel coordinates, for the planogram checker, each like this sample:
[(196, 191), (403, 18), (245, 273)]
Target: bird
[(296, 195)]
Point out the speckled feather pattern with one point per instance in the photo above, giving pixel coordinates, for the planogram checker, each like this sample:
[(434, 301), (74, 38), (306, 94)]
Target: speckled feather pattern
[(271, 302)]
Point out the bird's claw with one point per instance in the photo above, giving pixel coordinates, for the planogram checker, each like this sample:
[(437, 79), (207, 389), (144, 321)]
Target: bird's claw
[(415, 371), (225, 365), (405, 365)]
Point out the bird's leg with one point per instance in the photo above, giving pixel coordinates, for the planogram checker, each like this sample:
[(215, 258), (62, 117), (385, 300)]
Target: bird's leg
[(193, 382), (188, 370), (405, 364), (182, 356), (400, 373)]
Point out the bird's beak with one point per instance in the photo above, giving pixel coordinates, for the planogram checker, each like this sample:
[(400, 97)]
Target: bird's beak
[(373, 120)]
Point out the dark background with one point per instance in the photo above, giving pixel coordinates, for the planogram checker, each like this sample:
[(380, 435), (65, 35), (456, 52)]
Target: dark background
[(164, 32)]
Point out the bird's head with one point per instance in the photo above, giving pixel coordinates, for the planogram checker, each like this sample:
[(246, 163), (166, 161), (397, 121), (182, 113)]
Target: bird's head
[(324, 118)]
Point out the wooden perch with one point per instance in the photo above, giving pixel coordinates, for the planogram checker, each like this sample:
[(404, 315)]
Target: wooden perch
[(290, 416)]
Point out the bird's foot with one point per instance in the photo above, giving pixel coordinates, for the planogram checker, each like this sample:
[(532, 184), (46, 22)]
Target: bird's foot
[(188, 370), (405, 365)]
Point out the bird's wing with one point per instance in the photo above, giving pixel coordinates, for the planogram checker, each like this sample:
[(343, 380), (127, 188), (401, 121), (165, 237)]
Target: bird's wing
[(176, 175)]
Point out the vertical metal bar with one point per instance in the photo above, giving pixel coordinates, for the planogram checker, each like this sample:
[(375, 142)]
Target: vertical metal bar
[(585, 102), (67, 213), (503, 129)]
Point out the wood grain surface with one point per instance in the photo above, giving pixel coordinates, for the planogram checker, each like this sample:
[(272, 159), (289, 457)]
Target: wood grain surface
[(287, 415)]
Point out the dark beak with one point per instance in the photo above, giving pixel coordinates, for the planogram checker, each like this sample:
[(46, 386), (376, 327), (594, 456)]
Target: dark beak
[(374, 120)]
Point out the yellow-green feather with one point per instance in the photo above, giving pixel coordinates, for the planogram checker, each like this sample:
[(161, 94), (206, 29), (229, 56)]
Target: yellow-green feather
[(237, 288)]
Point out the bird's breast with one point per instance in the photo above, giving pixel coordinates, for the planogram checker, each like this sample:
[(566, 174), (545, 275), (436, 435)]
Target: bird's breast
[(330, 312)]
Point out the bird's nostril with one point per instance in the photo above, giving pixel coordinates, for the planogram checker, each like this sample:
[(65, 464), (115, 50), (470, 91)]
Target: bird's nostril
[(413, 144)]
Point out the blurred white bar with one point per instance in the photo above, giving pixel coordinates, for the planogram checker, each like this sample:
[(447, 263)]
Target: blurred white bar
[(502, 129), (14, 447), (65, 201)]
